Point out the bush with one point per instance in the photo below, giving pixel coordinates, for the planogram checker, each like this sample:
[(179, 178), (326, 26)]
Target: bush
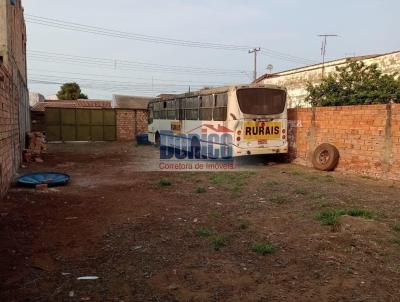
[(355, 84)]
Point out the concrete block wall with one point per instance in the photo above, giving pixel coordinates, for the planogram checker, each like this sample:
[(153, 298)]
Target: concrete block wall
[(130, 122), (367, 137)]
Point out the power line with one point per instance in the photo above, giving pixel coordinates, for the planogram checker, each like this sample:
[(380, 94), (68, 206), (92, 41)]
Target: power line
[(112, 86), (323, 49), (60, 24), (109, 88), (104, 89), (112, 83), (188, 82), (130, 65)]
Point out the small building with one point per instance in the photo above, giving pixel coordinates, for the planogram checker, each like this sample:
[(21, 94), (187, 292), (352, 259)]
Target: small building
[(132, 114), (295, 80)]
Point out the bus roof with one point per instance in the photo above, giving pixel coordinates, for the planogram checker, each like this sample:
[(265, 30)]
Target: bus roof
[(215, 90)]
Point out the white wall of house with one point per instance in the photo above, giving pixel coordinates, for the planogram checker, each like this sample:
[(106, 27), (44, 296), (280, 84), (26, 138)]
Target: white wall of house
[(296, 80)]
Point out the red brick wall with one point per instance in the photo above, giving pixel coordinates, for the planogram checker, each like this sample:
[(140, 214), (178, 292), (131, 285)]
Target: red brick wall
[(130, 122), (10, 151), (367, 137)]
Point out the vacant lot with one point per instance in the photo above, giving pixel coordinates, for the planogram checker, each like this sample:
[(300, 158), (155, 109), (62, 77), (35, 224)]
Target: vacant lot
[(278, 233)]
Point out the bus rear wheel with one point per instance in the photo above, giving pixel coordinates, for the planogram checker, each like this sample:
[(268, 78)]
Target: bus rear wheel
[(195, 148), (157, 140)]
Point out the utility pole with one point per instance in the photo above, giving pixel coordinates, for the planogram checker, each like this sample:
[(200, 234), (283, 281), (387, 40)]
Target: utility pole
[(255, 50), (323, 50)]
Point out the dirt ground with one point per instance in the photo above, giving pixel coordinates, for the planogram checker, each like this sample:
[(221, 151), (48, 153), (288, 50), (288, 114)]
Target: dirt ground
[(259, 235)]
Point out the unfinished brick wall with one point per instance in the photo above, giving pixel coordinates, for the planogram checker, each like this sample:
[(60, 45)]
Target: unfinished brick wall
[(10, 150), (14, 102), (130, 122), (367, 137)]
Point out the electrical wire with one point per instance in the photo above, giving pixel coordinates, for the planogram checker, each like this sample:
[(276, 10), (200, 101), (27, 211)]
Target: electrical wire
[(60, 24)]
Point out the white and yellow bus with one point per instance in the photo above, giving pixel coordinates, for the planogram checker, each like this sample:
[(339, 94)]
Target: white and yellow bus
[(247, 119)]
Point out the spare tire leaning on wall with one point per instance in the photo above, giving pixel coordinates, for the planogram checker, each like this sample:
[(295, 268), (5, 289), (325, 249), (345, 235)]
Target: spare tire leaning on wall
[(325, 157)]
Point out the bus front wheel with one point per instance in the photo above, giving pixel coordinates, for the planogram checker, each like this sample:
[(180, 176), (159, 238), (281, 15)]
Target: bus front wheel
[(157, 140)]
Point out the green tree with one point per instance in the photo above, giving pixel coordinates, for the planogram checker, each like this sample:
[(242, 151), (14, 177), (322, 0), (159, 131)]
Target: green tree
[(355, 84), (71, 91)]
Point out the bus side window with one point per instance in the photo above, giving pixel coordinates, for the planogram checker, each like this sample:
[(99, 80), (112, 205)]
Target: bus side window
[(206, 107), (163, 111), (180, 103), (176, 108), (171, 110), (220, 107), (151, 113), (156, 110), (192, 108)]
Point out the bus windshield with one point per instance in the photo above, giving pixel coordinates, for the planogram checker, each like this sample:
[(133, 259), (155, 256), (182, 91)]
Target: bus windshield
[(261, 101)]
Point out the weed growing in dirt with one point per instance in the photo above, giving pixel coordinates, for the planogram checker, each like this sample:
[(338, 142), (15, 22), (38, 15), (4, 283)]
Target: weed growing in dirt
[(272, 183), (204, 232), (243, 224), (300, 191), (237, 189), (164, 182), (236, 180), (231, 178), (359, 213), (330, 216), (200, 190), (278, 198), (215, 214), (295, 173), (264, 248), (329, 178), (218, 242), (396, 227), (312, 177)]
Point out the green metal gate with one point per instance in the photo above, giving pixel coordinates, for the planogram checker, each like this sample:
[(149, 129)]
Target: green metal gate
[(65, 124)]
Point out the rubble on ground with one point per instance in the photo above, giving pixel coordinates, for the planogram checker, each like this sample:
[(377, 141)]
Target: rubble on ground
[(36, 147)]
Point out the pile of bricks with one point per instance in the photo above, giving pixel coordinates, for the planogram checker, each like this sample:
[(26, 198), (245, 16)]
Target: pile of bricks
[(36, 147)]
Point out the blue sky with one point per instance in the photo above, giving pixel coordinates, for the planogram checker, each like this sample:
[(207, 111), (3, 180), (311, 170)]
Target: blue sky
[(287, 26)]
